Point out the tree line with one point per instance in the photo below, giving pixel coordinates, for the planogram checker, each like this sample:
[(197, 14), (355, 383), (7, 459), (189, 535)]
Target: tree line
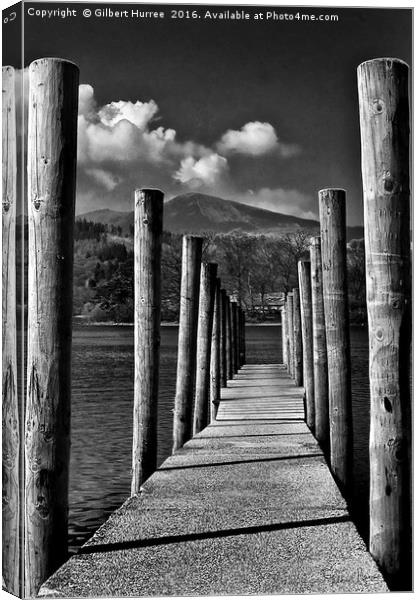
[(253, 268)]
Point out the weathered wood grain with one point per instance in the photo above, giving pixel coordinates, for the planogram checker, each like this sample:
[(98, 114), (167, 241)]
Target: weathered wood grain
[(384, 118), (307, 335), (223, 337), (52, 152), (284, 335), (332, 208), (148, 228), (188, 326), (204, 337), (321, 394), (229, 340), (290, 328), (234, 336), (298, 340), (10, 415), (215, 354)]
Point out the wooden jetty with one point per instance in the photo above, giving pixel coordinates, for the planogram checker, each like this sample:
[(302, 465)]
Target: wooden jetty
[(247, 506)]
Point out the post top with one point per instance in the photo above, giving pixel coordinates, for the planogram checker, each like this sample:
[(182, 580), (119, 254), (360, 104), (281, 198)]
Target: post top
[(7, 68), (331, 189), (211, 268), (191, 236), (53, 59), (384, 59), (146, 190), (315, 240)]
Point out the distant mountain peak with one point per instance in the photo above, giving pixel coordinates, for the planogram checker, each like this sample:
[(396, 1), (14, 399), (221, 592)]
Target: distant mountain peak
[(195, 212)]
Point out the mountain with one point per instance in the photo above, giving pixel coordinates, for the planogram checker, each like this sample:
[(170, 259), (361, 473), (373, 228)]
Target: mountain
[(198, 213)]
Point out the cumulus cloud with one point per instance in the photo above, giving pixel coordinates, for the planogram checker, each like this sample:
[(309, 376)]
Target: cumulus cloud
[(87, 103), (139, 113), (207, 170), (255, 139), (123, 132), (104, 178)]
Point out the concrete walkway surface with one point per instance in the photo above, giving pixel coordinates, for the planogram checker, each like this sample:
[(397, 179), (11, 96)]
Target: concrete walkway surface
[(248, 506)]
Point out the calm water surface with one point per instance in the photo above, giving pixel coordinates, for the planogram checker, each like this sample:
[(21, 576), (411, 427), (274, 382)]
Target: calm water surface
[(103, 376)]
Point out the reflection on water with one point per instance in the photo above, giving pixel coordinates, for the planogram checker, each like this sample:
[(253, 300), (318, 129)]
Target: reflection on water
[(103, 375)]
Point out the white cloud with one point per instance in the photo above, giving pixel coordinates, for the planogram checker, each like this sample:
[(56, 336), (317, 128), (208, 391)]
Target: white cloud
[(120, 134), (108, 180), (87, 103), (139, 113), (204, 171), (255, 139)]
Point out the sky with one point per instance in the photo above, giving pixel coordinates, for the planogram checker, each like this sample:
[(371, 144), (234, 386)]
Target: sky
[(259, 111)]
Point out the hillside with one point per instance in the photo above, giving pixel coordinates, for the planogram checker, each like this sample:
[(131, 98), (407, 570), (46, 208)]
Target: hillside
[(197, 213)]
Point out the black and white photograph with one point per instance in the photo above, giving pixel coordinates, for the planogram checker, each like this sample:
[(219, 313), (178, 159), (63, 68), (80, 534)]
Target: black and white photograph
[(207, 243)]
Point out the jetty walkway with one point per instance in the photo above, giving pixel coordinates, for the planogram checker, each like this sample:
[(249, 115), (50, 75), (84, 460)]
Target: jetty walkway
[(248, 506)]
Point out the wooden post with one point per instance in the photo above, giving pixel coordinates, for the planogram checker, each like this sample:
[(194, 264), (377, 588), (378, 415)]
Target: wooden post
[(321, 397), (223, 338), (384, 116), (284, 335), (238, 340), (298, 340), (287, 333), (307, 334), (52, 153), (10, 429), (234, 335), (335, 295), (242, 337), (290, 328), (215, 354), (229, 340), (239, 337), (188, 325), (148, 229), (204, 336)]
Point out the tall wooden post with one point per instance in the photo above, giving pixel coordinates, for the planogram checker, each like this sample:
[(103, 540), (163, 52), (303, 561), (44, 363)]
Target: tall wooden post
[(52, 153), (242, 337), (321, 395), (229, 340), (215, 354), (204, 337), (335, 295), (287, 308), (239, 337), (234, 335), (148, 229), (223, 338), (290, 328), (298, 340), (188, 326), (284, 335), (384, 116), (10, 426), (307, 334)]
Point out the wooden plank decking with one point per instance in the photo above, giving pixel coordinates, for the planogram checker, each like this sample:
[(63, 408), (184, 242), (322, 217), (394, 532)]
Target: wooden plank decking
[(246, 507)]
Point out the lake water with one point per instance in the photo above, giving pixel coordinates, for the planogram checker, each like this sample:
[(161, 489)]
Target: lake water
[(103, 376)]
